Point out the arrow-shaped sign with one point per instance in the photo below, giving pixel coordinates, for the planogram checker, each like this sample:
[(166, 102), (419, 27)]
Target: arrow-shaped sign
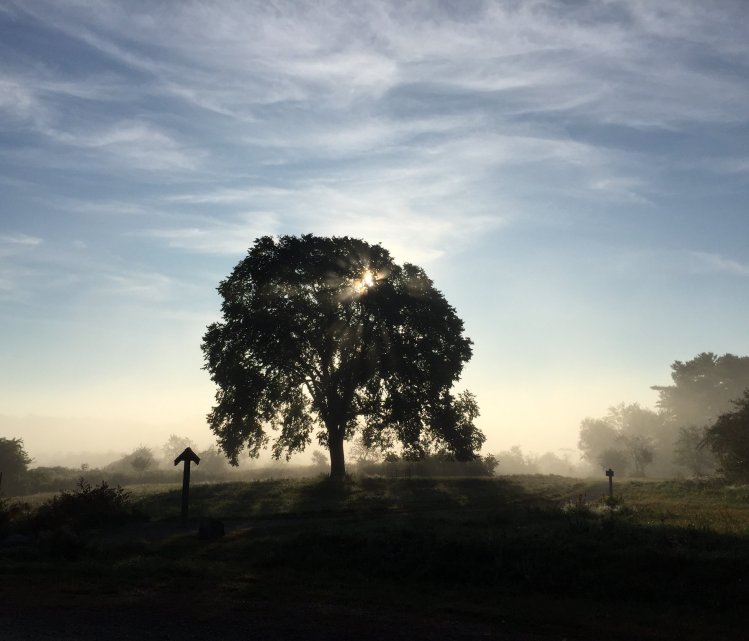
[(188, 456)]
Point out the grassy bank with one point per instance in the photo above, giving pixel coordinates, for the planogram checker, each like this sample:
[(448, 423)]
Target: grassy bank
[(535, 550)]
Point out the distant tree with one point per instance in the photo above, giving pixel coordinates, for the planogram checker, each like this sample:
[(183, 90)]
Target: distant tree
[(690, 452), (212, 461), (175, 445), (319, 459), (614, 459), (514, 461), (638, 428), (553, 463), (491, 462), (330, 334), (728, 439), (629, 430), (596, 436), (141, 459), (633, 420), (14, 464), (640, 450), (362, 453), (703, 388)]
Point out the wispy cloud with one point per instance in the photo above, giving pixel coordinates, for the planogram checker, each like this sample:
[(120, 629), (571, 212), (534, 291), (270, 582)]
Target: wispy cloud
[(390, 121), (135, 144), (705, 262), (217, 237), (618, 62), (679, 263), (19, 239), (138, 286), (407, 217)]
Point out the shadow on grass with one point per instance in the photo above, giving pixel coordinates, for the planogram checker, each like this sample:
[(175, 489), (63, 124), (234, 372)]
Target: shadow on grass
[(483, 536), (494, 534)]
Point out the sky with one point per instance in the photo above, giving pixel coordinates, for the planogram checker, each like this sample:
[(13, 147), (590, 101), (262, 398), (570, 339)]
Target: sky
[(574, 177)]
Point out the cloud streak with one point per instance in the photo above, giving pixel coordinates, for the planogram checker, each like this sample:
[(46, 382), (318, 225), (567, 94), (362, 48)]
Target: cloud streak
[(378, 119), (17, 239)]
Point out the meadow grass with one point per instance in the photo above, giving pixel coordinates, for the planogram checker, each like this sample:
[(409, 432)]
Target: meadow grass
[(491, 547)]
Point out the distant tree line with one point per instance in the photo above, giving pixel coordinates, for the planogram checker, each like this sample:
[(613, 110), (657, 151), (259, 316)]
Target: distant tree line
[(156, 465), (700, 426), (516, 461), (142, 465)]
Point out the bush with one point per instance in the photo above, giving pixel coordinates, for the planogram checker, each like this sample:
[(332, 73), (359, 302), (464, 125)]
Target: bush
[(11, 512), (85, 507)]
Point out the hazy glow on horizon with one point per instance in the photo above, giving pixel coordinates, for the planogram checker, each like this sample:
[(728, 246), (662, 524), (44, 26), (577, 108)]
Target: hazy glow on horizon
[(573, 176)]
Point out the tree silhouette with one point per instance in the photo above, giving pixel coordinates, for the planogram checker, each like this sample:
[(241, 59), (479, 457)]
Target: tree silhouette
[(141, 459), (14, 463), (703, 388), (626, 432), (330, 334), (690, 452), (175, 445), (728, 438)]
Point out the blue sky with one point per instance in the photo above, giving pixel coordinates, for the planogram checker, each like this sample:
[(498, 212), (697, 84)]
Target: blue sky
[(573, 175)]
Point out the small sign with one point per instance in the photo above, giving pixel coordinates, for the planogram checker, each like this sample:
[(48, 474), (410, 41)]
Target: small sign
[(187, 457), (610, 474)]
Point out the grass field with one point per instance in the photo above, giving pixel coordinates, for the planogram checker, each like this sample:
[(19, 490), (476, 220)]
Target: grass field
[(534, 554)]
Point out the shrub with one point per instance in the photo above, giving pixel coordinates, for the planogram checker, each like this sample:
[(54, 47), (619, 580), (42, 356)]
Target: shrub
[(11, 512), (86, 506)]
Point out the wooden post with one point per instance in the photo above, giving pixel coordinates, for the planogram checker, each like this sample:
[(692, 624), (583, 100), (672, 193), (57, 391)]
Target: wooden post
[(188, 456), (610, 474)]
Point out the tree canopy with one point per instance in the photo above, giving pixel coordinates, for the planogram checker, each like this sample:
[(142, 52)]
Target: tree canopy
[(728, 438), (704, 388), (329, 336)]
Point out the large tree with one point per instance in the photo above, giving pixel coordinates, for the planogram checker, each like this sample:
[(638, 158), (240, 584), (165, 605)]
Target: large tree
[(329, 336)]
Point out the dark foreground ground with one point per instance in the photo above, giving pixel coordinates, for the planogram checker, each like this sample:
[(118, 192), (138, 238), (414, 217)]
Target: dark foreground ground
[(185, 616), (525, 560), (54, 611)]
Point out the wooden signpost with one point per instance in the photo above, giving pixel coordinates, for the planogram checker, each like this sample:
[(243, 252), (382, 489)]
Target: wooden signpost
[(610, 474), (188, 456)]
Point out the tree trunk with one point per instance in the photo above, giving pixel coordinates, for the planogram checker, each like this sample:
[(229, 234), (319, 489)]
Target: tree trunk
[(337, 460)]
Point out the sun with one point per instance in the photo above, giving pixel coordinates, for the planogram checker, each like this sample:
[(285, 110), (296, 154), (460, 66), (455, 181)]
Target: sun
[(367, 279), (363, 283)]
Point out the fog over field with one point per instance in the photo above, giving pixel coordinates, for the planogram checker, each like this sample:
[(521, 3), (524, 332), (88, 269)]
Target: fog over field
[(573, 177)]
